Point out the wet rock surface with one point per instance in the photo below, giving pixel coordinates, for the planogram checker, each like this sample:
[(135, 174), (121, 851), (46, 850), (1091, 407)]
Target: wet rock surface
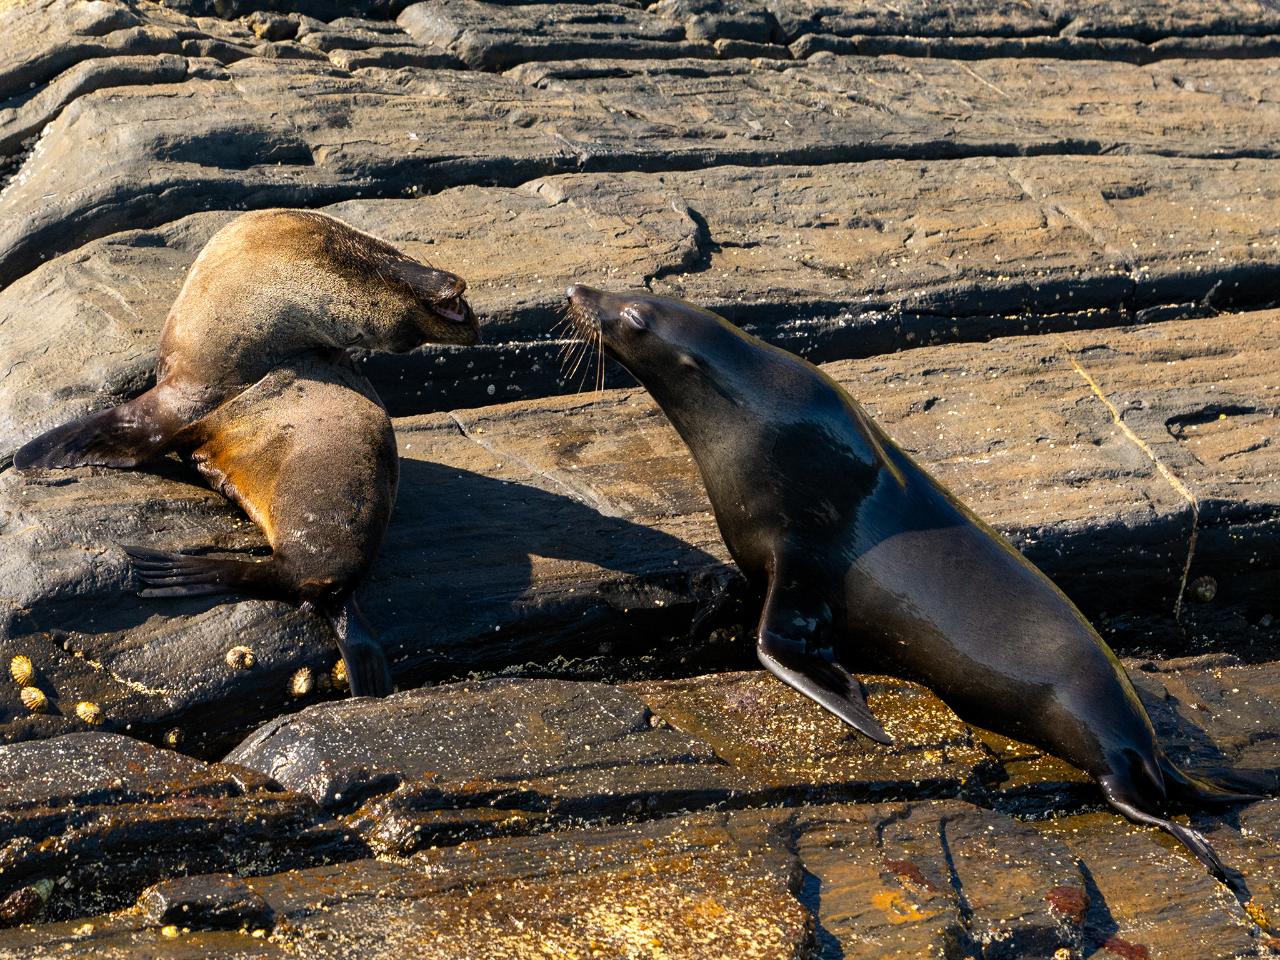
[(1034, 240), (767, 857), (89, 819)]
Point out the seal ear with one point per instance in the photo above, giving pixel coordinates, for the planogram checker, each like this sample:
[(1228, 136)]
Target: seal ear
[(432, 285), (792, 645)]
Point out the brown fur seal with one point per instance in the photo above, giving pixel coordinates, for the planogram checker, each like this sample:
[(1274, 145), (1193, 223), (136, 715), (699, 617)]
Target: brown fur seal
[(863, 559), (254, 387)]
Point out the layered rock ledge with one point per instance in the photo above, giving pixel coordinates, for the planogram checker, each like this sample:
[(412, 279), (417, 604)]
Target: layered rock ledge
[(716, 816)]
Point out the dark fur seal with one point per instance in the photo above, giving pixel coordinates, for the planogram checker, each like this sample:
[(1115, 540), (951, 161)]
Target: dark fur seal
[(864, 559), (254, 387)]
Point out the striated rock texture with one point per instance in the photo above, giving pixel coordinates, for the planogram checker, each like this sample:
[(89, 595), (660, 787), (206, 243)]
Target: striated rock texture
[(578, 527), (715, 816), (1035, 240)]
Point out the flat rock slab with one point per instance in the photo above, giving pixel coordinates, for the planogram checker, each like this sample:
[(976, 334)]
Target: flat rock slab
[(1129, 914), (1141, 31), (494, 36), (695, 888), (291, 131), (791, 748), (1146, 20), (578, 526), (499, 35), (838, 261), (900, 880), (501, 756), (89, 819), (487, 760)]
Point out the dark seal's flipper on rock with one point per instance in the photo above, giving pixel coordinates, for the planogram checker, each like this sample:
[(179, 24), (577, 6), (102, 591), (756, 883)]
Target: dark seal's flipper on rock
[(793, 644), (367, 671), (1123, 795), (1216, 788), (123, 436), (179, 575)]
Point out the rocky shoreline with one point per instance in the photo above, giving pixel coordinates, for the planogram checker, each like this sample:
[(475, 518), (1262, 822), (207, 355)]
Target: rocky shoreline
[(1033, 240)]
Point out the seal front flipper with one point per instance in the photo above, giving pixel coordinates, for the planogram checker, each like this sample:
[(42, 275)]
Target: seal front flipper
[(792, 645), (121, 436), (367, 672)]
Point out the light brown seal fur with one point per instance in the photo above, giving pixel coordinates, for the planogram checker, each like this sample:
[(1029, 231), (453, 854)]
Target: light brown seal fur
[(253, 386)]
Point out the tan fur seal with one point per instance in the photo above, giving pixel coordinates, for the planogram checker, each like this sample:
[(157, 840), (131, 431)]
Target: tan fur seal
[(864, 560), (254, 387)]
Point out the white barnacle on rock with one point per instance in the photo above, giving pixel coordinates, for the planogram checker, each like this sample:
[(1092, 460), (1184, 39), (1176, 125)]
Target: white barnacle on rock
[(1203, 589), (22, 670), (240, 658), (302, 682)]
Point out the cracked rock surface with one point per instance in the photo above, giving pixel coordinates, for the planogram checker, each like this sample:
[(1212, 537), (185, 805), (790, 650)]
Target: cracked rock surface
[(1034, 240)]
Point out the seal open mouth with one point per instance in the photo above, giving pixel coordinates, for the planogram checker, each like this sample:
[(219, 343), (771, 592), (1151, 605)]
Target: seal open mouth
[(452, 310)]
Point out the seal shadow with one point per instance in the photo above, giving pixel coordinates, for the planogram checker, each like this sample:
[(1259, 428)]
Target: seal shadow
[(481, 574)]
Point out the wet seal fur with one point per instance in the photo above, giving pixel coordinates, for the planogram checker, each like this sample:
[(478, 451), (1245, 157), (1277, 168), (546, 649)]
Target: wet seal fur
[(254, 386), (864, 559)]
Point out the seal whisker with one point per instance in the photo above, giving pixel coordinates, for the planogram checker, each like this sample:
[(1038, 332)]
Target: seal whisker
[(599, 362)]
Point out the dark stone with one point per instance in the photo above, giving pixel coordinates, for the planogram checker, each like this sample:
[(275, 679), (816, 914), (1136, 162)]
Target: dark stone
[(498, 756), (206, 902)]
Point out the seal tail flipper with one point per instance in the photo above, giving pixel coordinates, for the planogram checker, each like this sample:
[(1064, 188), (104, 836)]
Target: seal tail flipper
[(1122, 795), (1220, 789), (120, 436), (367, 671), (179, 575), (793, 627)]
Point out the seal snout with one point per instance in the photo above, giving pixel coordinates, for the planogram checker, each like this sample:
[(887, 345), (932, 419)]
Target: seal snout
[(582, 296)]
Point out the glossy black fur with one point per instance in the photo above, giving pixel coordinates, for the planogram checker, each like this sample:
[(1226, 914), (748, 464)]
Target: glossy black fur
[(867, 562)]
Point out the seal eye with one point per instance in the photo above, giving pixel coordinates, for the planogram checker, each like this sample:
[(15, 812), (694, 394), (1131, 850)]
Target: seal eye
[(633, 318)]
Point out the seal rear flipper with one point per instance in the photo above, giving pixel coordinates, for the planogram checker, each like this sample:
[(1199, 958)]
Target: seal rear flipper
[(121, 436), (1221, 788), (367, 671), (791, 643), (179, 575), (1123, 796)]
